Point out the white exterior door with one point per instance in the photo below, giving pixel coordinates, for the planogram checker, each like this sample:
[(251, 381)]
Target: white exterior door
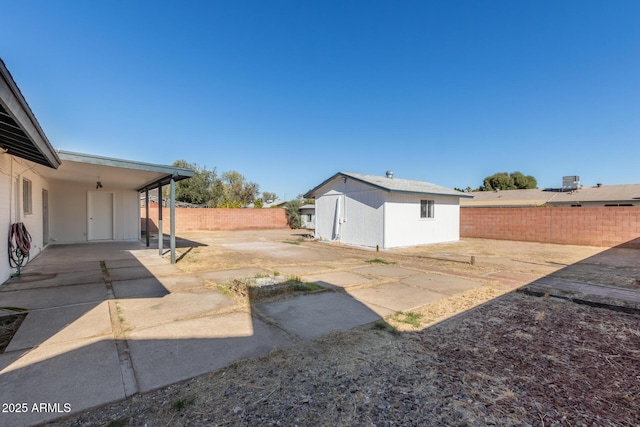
[(100, 209)]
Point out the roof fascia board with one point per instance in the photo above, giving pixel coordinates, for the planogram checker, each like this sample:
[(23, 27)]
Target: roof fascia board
[(125, 164), (311, 192), (160, 182), (419, 193), (17, 106)]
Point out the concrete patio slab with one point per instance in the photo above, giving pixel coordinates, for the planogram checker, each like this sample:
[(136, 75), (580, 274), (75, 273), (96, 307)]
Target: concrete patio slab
[(149, 287), (56, 325), (48, 267), (224, 276), (129, 273), (443, 284), (123, 263), (387, 271), (82, 373), (270, 249), (512, 279), (303, 270), (179, 350), (616, 257), (54, 297), (149, 257), (587, 292), (395, 297), (34, 281), (312, 316), (181, 283), (148, 312), (99, 251), (340, 279)]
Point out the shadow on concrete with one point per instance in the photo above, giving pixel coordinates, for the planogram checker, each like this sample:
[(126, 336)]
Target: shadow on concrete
[(609, 279), (108, 320), (98, 334)]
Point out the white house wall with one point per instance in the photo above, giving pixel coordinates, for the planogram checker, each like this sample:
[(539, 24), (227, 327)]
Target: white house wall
[(360, 220), (68, 212), (404, 227), (11, 206)]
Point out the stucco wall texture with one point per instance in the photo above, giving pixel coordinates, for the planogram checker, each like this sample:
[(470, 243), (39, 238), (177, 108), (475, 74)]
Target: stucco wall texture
[(591, 226)]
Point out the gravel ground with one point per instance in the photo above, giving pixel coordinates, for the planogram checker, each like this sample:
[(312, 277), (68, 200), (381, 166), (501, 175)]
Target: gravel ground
[(517, 360)]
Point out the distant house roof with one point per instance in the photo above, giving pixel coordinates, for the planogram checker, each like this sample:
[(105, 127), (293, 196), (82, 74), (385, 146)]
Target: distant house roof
[(394, 185), (308, 206), (629, 193)]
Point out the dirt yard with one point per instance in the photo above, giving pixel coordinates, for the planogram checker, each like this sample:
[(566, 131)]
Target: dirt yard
[(515, 360), (519, 360)]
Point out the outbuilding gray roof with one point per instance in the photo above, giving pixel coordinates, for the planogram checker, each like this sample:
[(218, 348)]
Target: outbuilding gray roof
[(625, 193), (395, 185)]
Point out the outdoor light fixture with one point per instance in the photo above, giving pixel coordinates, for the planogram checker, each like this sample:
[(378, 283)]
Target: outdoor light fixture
[(98, 184)]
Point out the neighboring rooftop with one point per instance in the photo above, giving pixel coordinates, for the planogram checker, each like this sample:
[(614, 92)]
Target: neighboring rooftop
[(395, 185), (598, 194)]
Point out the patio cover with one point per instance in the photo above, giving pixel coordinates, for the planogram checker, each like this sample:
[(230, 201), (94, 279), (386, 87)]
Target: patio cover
[(21, 136), (125, 175), (20, 132)]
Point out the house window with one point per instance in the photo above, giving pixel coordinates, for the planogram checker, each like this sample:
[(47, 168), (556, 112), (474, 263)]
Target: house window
[(308, 217), (427, 208), (27, 206)]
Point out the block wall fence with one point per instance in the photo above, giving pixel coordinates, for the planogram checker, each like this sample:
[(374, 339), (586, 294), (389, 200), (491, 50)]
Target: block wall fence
[(592, 226), (188, 219)]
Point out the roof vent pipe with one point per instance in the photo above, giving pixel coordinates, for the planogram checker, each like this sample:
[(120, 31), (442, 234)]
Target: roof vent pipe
[(599, 184), (389, 174)]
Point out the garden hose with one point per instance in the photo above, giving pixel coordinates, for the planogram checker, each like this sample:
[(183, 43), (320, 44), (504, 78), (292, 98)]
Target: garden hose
[(19, 246)]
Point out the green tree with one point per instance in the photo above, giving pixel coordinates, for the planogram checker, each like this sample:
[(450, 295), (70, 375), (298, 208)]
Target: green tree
[(506, 181), (269, 197), (237, 191), (292, 210), (258, 204), (522, 181), (201, 189)]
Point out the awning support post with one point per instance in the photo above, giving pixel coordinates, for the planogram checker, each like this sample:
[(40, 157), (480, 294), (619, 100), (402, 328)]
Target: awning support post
[(160, 235), (146, 226), (173, 220)]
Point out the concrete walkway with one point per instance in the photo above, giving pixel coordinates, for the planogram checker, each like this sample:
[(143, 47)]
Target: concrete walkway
[(109, 320)]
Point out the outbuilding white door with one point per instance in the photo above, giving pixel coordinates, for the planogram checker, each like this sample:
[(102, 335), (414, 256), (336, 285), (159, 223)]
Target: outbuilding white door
[(100, 209)]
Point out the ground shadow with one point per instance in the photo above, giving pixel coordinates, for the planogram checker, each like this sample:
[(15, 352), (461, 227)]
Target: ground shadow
[(110, 320), (609, 279)]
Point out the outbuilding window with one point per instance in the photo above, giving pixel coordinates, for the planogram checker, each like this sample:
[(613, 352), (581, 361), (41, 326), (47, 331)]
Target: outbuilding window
[(427, 208), (27, 205)]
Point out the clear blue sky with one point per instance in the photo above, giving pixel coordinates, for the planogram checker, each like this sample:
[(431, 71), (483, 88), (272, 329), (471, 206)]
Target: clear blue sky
[(290, 92)]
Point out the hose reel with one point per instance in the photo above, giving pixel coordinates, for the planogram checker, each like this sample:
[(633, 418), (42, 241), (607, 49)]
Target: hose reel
[(19, 246)]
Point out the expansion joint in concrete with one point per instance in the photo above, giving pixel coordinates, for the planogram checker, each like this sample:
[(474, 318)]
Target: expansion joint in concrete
[(129, 380)]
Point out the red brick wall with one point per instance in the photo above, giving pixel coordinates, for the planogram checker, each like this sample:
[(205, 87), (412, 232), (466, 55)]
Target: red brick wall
[(593, 226), (217, 219)]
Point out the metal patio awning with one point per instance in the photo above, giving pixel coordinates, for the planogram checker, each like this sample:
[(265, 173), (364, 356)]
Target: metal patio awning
[(20, 132)]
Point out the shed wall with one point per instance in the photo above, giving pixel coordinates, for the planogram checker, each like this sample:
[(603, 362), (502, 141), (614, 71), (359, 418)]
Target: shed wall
[(404, 227), (360, 214)]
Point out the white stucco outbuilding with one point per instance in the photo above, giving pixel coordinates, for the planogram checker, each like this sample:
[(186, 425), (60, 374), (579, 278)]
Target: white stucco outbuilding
[(65, 197), (385, 212)]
